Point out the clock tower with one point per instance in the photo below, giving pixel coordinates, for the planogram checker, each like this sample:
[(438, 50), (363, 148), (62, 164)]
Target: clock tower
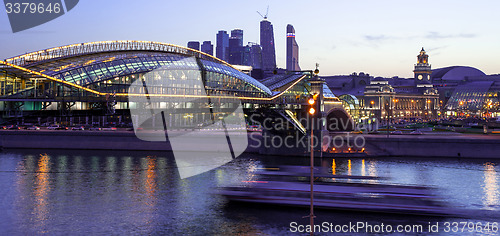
[(422, 70)]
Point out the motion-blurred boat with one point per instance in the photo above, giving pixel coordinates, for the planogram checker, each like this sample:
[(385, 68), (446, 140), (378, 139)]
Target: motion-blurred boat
[(352, 193)]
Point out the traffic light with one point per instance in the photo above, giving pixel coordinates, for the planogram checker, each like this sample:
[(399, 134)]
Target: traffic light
[(312, 111), (312, 101)]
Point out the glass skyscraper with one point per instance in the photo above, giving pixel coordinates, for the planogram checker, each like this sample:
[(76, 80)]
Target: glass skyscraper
[(222, 45), (267, 44), (292, 50), (238, 33), (207, 48), (194, 45), (236, 47)]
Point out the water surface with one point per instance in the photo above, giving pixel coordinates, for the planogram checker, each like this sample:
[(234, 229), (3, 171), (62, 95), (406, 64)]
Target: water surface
[(112, 192)]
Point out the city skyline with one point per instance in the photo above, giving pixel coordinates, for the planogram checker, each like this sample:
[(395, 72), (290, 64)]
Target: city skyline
[(343, 37)]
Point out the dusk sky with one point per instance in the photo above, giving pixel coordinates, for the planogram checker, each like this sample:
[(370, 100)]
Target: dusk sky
[(382, 38)]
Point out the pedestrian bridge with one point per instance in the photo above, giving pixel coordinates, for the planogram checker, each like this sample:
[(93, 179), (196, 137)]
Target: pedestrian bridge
[(98, 75)]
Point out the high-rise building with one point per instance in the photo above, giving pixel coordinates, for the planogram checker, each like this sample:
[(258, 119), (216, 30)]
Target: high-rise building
[(235, 51), (238, 33), (253, 56), (222, 44), (207, 48), (292, 50), (267, 44), (194, 45)]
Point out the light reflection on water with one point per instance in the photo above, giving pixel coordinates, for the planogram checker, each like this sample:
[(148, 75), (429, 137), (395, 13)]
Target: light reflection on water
[(363, 168), (41, 191), (334, 167), (113, 193), (490, 187)]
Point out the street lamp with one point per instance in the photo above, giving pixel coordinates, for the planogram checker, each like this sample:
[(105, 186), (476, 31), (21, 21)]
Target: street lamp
[(412, 108), (441, 109), (429, 107), (312, 112), (461, 107)]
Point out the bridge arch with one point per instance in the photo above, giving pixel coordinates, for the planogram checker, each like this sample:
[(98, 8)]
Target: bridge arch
[(337, 119)]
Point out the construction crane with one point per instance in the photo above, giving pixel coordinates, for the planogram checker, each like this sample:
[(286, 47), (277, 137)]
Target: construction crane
[(267, 12)]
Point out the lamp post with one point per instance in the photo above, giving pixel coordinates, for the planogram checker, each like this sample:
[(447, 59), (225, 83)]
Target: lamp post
[(370, 115), (312, 112), (395, 110), (429, 107), (387, 106)]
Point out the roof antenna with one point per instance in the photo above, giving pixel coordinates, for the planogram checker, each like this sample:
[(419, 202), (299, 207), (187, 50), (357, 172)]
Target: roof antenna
[(267, 12)]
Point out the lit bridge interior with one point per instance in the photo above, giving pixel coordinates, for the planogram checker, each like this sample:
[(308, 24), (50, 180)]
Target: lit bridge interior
[(94, 79)]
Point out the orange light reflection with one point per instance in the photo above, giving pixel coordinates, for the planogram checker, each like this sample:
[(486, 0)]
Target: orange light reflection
[(41, 190)]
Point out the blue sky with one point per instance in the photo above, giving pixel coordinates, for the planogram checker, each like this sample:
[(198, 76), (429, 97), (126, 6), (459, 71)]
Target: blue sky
[(382, 37)]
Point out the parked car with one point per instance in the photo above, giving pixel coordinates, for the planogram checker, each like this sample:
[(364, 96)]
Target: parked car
[(78, 128), (108, 129), (33, 127), (57, 127), (53, 127), (14, 127), (124, 125), (95, 128), (397, 132), (417, 132)]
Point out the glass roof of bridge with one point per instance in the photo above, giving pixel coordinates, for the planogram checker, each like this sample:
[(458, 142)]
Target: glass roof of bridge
[(88, 69)]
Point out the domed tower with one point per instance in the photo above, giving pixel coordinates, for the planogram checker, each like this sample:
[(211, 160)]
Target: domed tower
[(422, 70)]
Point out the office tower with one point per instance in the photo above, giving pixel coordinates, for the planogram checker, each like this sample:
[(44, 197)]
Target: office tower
[(222, 44), (253, 56), (238, 33), (267, 44), (207, 48), (292, 50), (235, 51), (194, 45)]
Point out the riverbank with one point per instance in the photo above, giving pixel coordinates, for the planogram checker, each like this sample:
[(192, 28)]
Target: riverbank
[(429, 145), (102, 140)]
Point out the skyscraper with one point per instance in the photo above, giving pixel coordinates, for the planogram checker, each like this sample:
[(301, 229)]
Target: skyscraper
[(238, 33), (194, 45), (235, 51), (254, 57), (236, 47), (292, 50), (207, 48), (222, 44), (267, 44)]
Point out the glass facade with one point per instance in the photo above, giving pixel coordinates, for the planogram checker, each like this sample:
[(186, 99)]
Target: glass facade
[(114, 72), (471, 96)]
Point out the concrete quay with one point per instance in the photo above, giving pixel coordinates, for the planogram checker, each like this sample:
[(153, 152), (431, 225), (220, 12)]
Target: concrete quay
[(430, 145), (427, 145), (105, 140)]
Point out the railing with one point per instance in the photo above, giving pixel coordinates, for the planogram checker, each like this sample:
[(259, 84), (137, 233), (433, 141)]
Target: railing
[(106, 46)]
